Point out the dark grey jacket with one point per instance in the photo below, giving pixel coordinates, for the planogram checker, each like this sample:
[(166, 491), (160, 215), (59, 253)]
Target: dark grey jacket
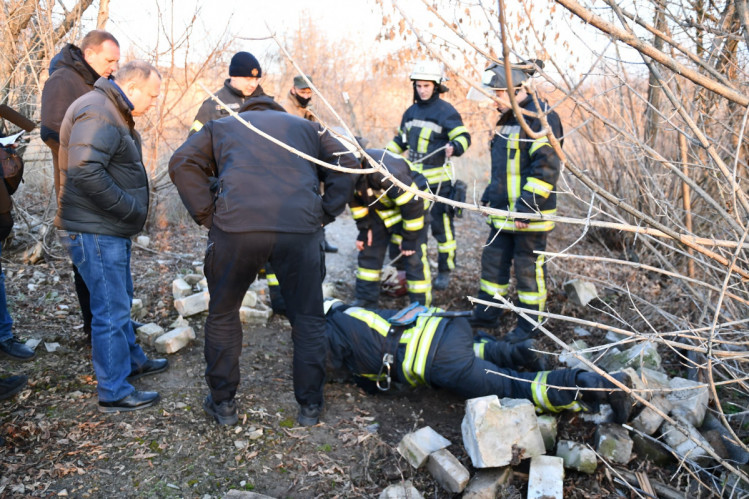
[(104, 186)]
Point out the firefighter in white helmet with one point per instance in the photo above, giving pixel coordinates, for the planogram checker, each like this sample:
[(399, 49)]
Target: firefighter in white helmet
[(432, 131), (524, 175)]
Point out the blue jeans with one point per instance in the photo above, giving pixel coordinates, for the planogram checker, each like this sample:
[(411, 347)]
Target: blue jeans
[(104, 263), (6, 323)]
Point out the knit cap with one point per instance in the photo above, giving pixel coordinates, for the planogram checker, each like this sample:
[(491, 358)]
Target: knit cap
[(245, 64)]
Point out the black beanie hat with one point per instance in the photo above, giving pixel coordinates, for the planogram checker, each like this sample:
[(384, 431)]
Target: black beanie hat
[(245, 64)]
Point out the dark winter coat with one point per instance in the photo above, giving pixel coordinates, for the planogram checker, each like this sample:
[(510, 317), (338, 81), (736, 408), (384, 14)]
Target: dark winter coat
[(524, 171), (70, 77), (212, 110), (229, 175), (104, 185)]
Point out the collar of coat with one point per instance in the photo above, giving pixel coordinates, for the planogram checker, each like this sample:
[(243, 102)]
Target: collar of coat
[(117, 96)]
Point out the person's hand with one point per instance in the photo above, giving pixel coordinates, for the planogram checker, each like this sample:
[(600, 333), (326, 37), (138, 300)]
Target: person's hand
[(360, 244), (521, 224), (408, 252), (449, 150)]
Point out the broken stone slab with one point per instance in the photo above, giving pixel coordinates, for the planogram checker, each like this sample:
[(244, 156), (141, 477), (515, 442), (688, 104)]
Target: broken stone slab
[(613, 443), (485, 483), (197, 265), (580, 292), (569, 359), (577, 456), (203, 284), (612, 337), (415, 447), (643, 354), (689, 399), (500, 433), (51, 346), (685, 446), (192, 279), (648, 421), (651, 449), (401, 491), (581, 332), (179, 322), (255, 316), (174, 340), (653, 379), (546, 478), (144, 241), (638, 385), (548, 426), (148, 333), (447, 471), (329, 290), (605, 414), (193, 304), (136, 309), (250, 299), (180, 288)]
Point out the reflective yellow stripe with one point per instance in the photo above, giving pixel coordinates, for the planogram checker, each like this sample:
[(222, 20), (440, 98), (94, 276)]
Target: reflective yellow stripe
[(539, 187), (405, 197), (427, 275), (419, 368), (463, 142), (508, 224), (394, 147), (541, 283), (423, 143), (494, 288), (396, 239), (513, 169), (458, 130), (413, 225), (390, 217), (531, 298), (370, 318), (537, 144), (371, 275), (540, 390), (272, 279), (418, 339), (359, 212), (196, 126), (418, 286), (416, 167), (435, 175), (478, 350), (447, 247)]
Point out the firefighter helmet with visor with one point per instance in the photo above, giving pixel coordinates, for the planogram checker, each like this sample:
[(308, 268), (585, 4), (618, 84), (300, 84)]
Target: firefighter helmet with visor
[(494, 77), (428, 71)]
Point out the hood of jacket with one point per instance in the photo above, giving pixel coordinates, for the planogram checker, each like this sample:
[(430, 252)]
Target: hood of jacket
[(72, 57)]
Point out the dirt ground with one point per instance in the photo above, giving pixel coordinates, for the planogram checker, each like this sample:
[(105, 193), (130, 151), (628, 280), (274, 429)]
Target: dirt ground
[(57, 441)]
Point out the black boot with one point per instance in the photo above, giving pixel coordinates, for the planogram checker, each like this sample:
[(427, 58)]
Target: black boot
[(329, 248), (11, 385), (620, 401), (515, 355)]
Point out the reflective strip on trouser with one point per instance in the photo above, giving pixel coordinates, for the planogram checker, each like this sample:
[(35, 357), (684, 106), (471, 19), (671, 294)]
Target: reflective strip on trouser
[(506, 224), (513, 168), (548, 399), (531, 276), (274, 290), (443, 230), (370, 261), (272, 279), (418, 275)]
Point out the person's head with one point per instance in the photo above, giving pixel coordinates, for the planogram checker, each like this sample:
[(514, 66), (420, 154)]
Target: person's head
[(141, 82), (427, 77), (301, 90), (245, 72), (495, 78), (101, 51)]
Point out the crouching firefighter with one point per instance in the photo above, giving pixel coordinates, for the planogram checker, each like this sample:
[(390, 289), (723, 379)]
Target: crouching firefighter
[(428, 346), (383, 212)]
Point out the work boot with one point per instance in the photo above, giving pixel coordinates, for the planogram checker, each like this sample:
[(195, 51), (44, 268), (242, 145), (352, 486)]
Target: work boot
[(15, 349), (309, 415), (514, 355), (327, 247), (620, 401), (441, 282), (11, 385), (224, 413)]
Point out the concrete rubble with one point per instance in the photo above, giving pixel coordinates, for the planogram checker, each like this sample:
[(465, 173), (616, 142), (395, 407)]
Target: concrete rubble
[(580, 292), (401, 491), (447, 471), (644, 354), (577, 456), (148, 333), (685, 446), (486, 483), (548, 426), (546, 478), (174, 340), (613, 443), (416, 447), (689, 400)]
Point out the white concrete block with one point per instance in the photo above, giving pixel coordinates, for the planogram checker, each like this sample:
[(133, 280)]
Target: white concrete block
[(417, 446), (192, 279), (613, 443), (485, 483), (643, 354), (500, 433), (148, 333), (136, 308), (689, 400), (174, 340), (447, 471), (193, 304), (548, 426), (580, 292), (401, 491), (577, 456), (250, 299), (570, 360), (180, 288), (256, 316), (648, 421), (546, 478), (144, 241), (685, 446)]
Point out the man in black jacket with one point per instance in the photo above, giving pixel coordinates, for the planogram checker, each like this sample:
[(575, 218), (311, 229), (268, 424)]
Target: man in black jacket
[(72, 73), (103, 202), (266, 207)]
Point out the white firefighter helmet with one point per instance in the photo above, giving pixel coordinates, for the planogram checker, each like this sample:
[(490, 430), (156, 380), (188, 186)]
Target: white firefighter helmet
[(428, 71), (494, 77)]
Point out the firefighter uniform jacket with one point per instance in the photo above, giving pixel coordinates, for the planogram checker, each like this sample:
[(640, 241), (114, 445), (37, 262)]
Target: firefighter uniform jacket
[(427, 126), (212, 110), (376, 196), (524, 171)]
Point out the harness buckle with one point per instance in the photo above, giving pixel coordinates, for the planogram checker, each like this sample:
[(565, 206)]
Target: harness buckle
[(387, 361)]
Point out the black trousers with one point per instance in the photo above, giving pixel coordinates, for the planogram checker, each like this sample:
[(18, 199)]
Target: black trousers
[(232, 262), (443, 229)]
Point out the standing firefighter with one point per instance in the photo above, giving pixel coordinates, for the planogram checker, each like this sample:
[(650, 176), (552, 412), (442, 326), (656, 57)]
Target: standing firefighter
[(433, 132), (384, 211), (523, 179)]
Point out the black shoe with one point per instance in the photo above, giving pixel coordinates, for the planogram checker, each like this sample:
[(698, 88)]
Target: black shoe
[(133, 402), (441, 282), (519, 335), (225, 412), (309, 415), (16, 350), (621, 402), (11, 385), (364, 304), (151, 366), (329, 248)]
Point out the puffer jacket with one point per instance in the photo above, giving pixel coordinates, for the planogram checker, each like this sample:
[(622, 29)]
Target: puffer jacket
[(104, 185), (70, 78), (524, 171), (230, 176), (212, 110)]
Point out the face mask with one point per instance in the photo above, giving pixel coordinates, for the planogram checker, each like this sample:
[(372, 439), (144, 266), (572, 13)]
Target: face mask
[(302, 101)]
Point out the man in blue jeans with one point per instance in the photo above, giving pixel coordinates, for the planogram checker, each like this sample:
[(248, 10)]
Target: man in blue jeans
[(103, 201)]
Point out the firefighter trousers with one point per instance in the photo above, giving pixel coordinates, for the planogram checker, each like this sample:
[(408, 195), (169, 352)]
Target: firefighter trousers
[(502, 250), (371, 259), (443, 228), (232, 262)]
